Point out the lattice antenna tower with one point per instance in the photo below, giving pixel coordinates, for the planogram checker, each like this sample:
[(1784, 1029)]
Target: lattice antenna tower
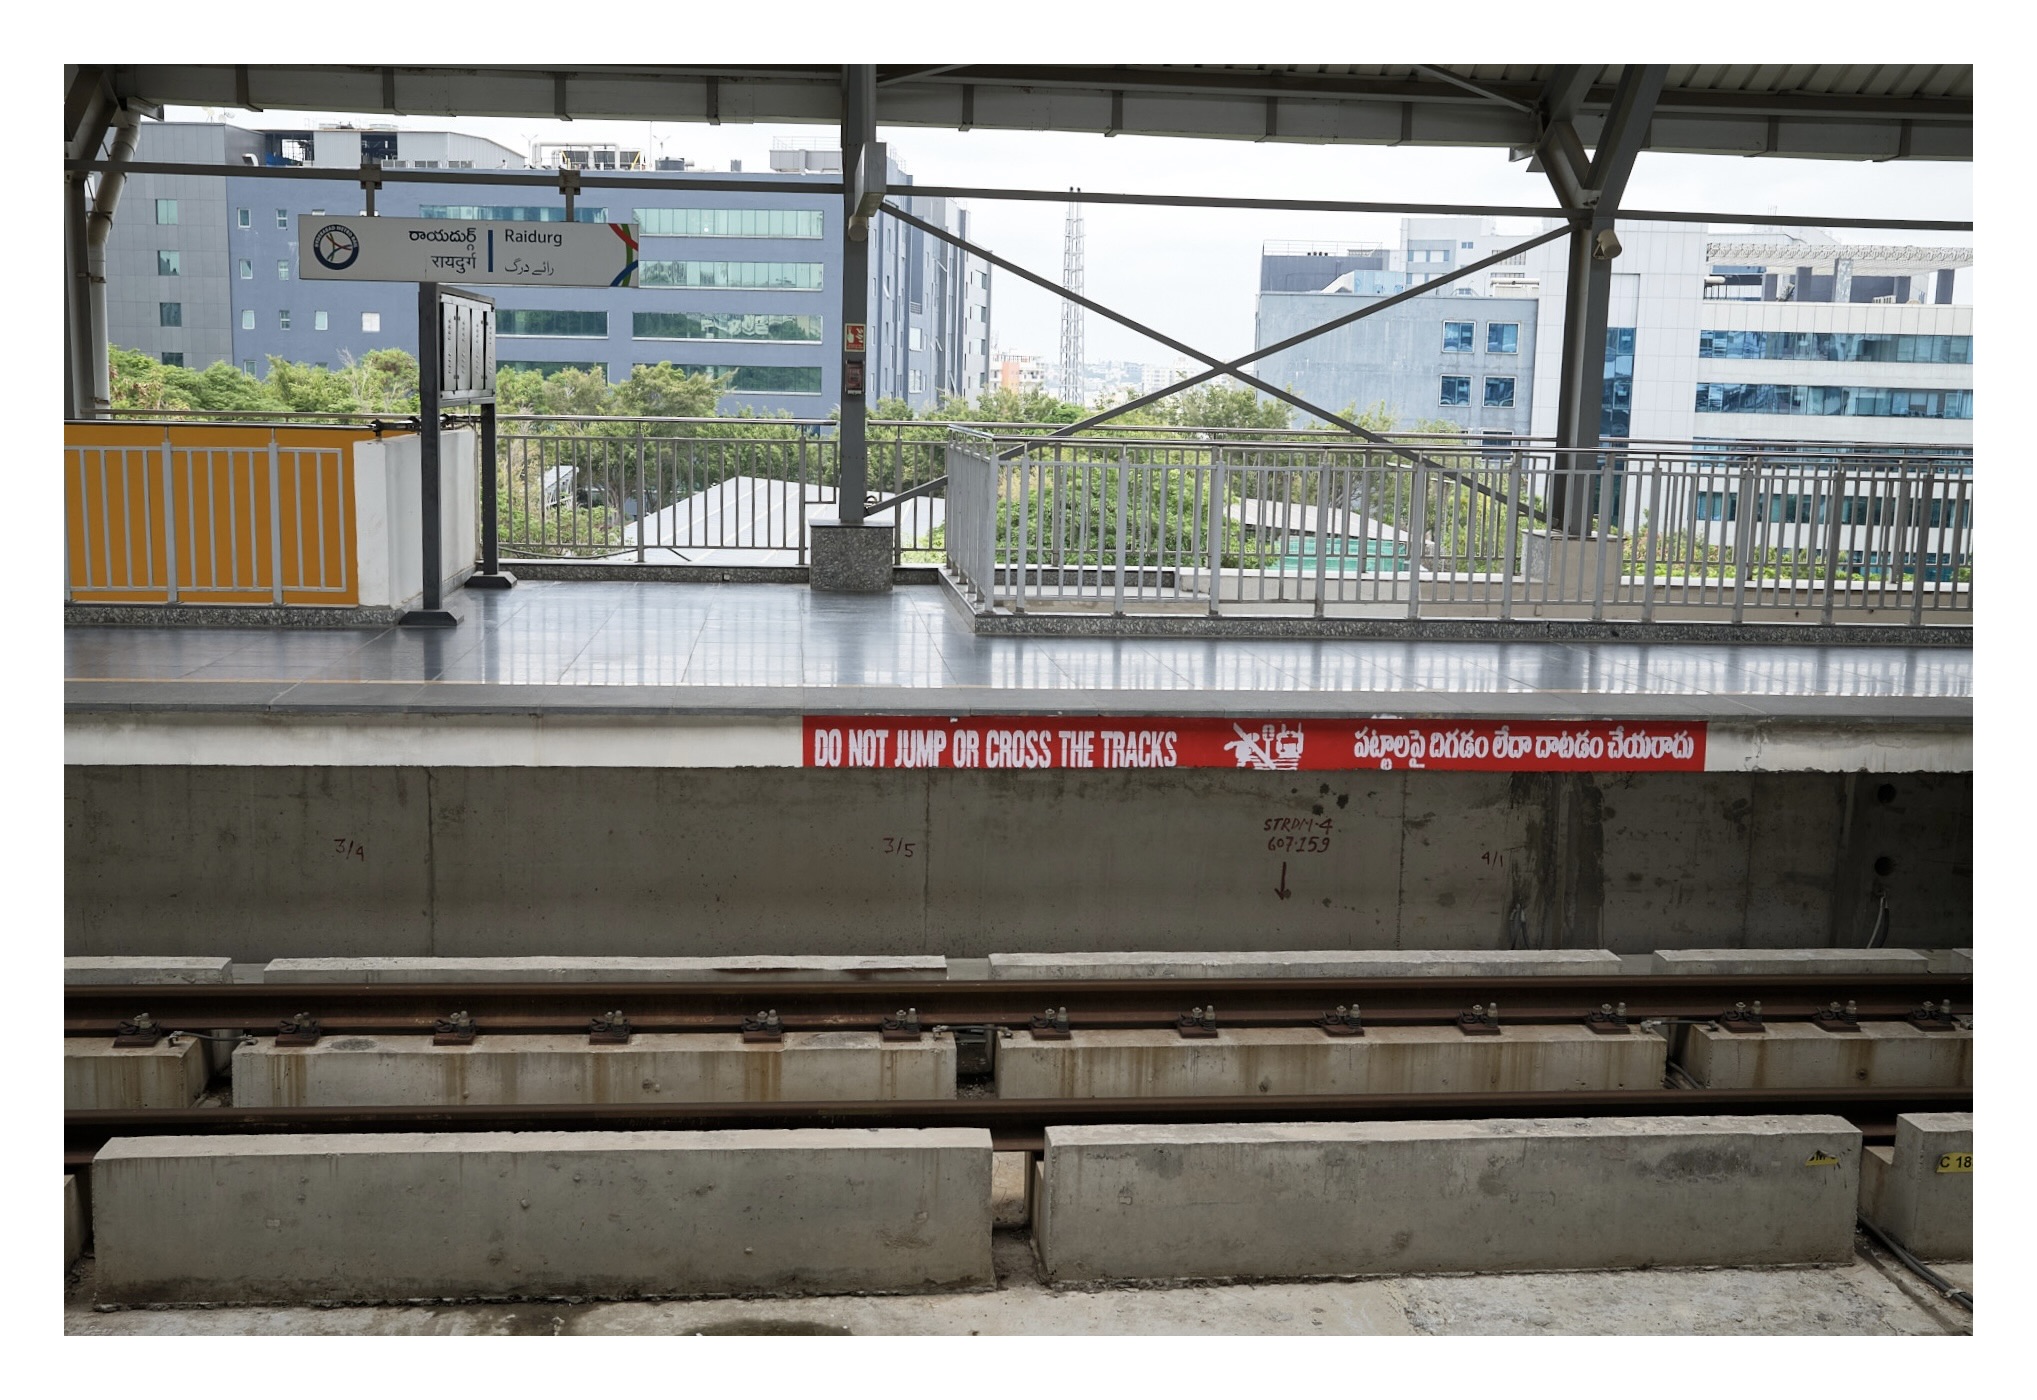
[(1072, 356)]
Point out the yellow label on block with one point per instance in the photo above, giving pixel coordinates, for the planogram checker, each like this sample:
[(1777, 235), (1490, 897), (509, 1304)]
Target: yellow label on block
[(1821, 1159), (1956, 1162)]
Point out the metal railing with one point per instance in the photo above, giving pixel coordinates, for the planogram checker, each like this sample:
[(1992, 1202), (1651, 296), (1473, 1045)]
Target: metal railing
[(1309, 528), (248, 514)]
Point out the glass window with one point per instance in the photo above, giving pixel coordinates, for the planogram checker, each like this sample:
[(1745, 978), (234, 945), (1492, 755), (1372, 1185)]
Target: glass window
[(247, 269), (241, 217), (247, 320), (1456, 389), (754, 276), (318, 320), (282, 218), (282, 269), (173, 357), (371, 320), (170, 313), (917, 382), (166, 211), (1457, 335), (725, 325), (551, 367), (1503, 338), (514, 214), (762, 379), (169, 263), (1465, 246), (586, 324), (247, 366), (914, 340), (1499, 392), (730, 223), (1836, 347), (1835, 401), (283, 320)]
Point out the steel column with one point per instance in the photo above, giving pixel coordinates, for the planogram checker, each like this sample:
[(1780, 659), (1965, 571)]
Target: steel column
[(431, 612), (859, 128)]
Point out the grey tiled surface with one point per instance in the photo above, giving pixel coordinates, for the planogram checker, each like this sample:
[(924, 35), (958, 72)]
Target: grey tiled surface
[(781, 648)]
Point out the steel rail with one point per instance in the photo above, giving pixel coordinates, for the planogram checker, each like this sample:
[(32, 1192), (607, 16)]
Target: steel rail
[(1015, 1125), (1140, 1003)]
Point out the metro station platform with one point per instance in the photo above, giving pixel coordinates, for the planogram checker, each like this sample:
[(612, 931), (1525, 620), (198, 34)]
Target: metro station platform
[(670, 654), (636, 768)]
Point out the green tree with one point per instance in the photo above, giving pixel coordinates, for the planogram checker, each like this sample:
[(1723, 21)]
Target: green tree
[(302, 388), (1220, 403), (664, 390)]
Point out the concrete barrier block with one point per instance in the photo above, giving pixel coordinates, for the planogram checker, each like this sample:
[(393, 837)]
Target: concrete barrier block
[(1790, 962), (1288, 1200), (74, 1223), (1951, 962), (1560, 962), (351, 1070), (751, 968), (168, 1074), (1302, 1060), (313, 1217), (125, 972), (1796, 1055), (1918, 1197)]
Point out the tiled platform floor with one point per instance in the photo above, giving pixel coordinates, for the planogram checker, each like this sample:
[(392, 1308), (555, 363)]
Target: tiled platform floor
[(742, 646)]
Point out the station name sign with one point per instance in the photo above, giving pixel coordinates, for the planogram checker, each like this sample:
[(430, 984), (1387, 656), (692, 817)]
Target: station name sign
[(1290, 745), (478, 251)]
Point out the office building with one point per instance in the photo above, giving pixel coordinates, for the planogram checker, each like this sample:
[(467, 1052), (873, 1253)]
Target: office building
[(731, 283)]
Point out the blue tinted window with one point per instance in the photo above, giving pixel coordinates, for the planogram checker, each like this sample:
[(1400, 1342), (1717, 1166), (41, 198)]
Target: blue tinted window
[(1834, 401), (1499, 393), (1836, 347), (1457, 335), (1503, 338), (1456, 389)]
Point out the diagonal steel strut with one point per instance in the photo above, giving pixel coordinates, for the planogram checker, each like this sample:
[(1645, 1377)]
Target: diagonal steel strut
[(1233, 367)]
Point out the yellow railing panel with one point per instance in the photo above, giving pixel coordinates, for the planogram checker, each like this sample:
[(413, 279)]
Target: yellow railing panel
[(227, 513)]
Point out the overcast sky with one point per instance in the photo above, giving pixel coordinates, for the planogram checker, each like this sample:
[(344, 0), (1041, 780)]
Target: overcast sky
[(1194, 273)]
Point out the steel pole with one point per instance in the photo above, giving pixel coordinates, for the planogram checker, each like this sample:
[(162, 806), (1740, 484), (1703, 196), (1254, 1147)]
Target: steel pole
[(431, 612), (859, 127)]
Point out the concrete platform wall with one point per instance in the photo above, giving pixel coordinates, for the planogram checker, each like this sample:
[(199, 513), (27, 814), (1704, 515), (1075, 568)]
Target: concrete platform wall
[(1927, 1211), (346, 1071), (1577, 962), (258, 863), (1307, 1199), (456, 1215), (1385, 1060)]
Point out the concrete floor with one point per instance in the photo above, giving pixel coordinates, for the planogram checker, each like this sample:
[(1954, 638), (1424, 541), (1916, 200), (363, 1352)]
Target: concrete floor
[(1871, 1296)]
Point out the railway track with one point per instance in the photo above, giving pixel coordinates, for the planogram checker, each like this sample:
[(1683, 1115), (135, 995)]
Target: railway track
[(1015, 1125), (1128, 1004)]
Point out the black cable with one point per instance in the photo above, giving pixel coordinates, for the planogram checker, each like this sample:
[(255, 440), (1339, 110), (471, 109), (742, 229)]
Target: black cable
[(1917, 1266)]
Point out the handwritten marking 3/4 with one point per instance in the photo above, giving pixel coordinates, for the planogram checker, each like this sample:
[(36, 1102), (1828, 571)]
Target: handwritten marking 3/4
[(346, 847)]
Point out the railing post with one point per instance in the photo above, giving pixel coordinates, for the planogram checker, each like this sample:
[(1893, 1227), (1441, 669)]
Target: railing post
[(1513, 529), (1123, 505), (1654, 518), (1742, 540), (1836, 512), (800, 525), (275, 521), (1322, 492), (643, 495), (1602, 510), (1922, 509), (1024, 528), (1217, 516), (1418, 511), (169, 514)]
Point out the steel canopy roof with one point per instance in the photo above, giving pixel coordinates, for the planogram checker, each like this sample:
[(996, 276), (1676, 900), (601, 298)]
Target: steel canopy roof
[(1812, 110)]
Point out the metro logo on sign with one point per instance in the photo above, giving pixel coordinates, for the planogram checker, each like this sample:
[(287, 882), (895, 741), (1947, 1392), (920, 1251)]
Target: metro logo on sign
[(1271, 745)]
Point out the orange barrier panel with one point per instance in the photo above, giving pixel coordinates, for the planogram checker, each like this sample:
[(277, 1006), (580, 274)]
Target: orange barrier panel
[(210, 514)]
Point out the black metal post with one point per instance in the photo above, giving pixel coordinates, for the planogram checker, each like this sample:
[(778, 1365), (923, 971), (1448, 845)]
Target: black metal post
[(490, 574), (432, 612), (859, 122)]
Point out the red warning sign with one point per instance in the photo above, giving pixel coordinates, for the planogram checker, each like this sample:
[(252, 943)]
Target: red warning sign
[(1292, 745)]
